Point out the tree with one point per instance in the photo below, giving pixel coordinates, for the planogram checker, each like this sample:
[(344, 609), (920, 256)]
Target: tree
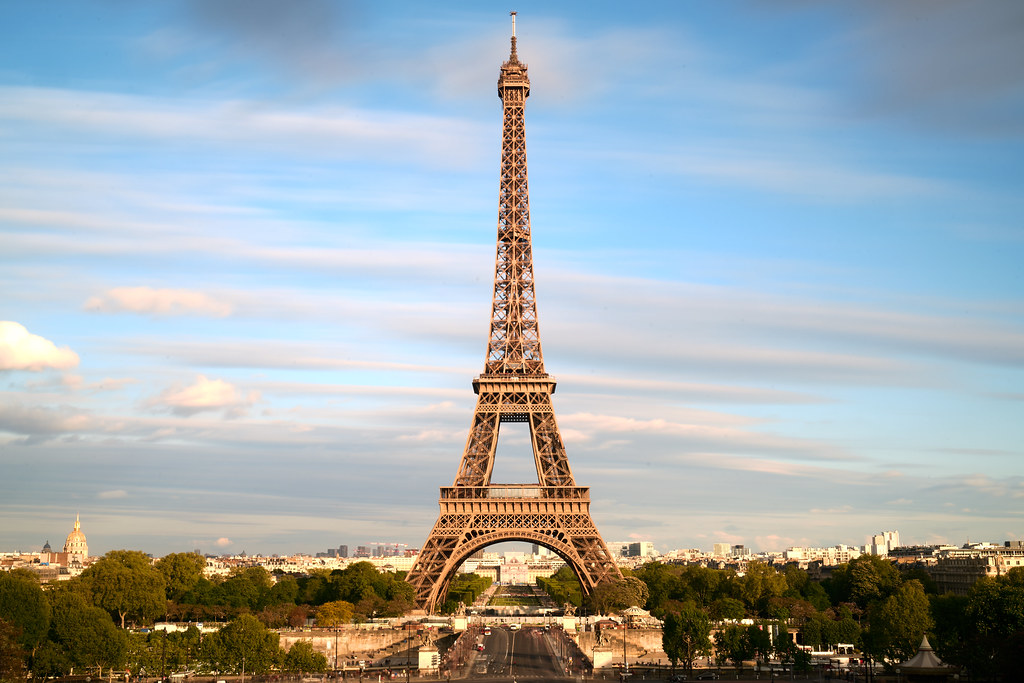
[(247, 587), (994, 615), (952, 634), (24, 607), (126, 584), (612, 596), (181, 572), (686, 635), (334, 613), (898, 623), (863, 580), (12, 656), (302, 658), (728, 608), (758, 642), (563, 587), (732, 644), (85, 635), (759, 584), (244, 642), (285, 591)]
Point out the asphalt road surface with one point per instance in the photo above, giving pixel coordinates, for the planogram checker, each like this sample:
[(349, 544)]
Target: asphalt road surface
[(517, 655)]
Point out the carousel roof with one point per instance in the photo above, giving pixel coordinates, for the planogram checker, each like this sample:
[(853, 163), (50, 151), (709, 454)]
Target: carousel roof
[(924, 659)]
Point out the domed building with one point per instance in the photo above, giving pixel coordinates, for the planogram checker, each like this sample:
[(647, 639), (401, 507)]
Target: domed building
[(76, 547)]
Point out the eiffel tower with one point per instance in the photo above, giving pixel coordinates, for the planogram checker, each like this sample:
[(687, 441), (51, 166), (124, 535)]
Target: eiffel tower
[(554, 512)]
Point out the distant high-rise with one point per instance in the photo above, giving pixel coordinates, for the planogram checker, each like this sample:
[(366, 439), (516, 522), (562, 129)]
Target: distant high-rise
[(884, 542), (342, 551)]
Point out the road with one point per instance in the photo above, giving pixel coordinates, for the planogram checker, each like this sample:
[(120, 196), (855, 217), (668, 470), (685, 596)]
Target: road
[(517, 655)]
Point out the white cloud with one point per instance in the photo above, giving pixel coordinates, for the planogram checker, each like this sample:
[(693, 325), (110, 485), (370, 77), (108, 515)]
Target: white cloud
[(22, 350), (110, 495), (207, 395), (157, 302), (223, 542)]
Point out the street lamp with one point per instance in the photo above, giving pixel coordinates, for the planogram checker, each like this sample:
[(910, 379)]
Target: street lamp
[(512, 658)]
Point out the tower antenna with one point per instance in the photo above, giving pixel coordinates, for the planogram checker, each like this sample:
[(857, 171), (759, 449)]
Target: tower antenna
[(513, 15)]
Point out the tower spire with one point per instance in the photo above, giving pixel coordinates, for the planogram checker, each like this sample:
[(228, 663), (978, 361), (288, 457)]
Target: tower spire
[(513, 57)]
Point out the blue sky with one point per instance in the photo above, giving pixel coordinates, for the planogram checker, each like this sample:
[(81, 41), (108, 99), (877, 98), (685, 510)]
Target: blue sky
[(246, 252)]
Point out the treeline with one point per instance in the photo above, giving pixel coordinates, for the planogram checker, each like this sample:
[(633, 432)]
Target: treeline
[(563, 587), (465, 589), (868, 602), (291, 600), (81, 624)]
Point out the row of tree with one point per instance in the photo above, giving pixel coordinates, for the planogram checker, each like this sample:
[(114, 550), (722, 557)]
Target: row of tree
[(290, 600), (464, 589), (60, 632), (868, 603), (81, 623)]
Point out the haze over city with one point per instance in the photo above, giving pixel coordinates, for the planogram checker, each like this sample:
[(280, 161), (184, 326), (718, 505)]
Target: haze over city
[(247, 251)]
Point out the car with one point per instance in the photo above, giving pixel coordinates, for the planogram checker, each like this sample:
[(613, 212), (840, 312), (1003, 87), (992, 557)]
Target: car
[(707, 676), (676, 678)]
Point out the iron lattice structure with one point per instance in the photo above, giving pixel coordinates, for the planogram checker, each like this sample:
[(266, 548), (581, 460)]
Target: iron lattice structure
[(513, 387)]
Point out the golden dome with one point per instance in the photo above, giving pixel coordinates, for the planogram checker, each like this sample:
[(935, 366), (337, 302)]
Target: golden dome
[(76, 544)]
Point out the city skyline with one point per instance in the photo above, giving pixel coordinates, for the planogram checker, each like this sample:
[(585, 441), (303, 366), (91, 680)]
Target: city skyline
[(247, 256)]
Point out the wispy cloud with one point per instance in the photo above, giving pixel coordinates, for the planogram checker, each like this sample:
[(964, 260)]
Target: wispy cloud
[(147, 300), (206, 395), (341, 133)]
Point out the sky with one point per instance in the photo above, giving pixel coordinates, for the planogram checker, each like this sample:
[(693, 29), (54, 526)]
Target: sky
[(247, 255)]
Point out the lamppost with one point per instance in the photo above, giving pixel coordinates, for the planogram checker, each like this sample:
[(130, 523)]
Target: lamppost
[(512, 658), (625, 662)]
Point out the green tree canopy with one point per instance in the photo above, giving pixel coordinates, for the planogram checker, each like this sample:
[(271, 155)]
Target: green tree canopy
[(302, 658), (686, 635), (245, 641), (85, 635), (994, 619), (613, 596), (24, 607), (731, 644), (334, 613), (181, 572), (863, 580), (126, 584), (758, 585), (12, 656), (898, 623)]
